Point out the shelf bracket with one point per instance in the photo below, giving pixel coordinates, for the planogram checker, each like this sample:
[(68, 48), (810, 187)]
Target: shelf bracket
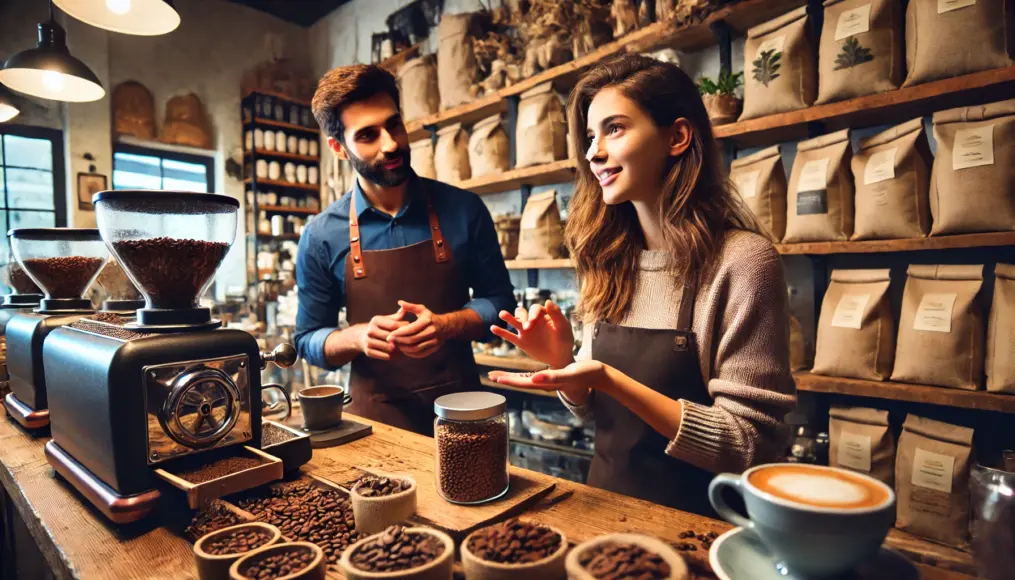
[(512, 124), (433, 134), (723, 35)]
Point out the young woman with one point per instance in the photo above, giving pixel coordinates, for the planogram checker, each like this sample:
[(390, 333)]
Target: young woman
[(684, 364)]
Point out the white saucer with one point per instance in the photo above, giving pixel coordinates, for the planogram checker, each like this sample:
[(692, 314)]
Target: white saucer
[(739, 555)]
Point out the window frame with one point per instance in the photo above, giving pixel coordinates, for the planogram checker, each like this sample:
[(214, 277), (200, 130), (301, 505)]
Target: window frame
[(55, 137), (208, 161)]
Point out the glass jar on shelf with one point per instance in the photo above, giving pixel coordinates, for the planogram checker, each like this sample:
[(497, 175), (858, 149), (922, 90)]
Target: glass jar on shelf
[(471, 435)]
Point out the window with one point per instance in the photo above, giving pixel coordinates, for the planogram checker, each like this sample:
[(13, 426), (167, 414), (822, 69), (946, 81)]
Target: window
[(144, 168), (31, 179)]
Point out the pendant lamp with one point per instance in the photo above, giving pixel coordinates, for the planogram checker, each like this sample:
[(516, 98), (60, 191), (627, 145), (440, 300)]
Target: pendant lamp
[(49, 71), (140, 17), (8, 107)]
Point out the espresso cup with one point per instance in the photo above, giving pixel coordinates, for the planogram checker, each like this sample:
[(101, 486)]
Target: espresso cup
[(817, 521), (322, 406)]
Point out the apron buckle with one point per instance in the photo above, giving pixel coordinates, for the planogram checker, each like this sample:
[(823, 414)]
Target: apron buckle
[(680, 342)]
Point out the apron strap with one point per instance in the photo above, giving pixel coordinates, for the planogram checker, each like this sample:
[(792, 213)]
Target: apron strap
[(686, 314), (440, 249)]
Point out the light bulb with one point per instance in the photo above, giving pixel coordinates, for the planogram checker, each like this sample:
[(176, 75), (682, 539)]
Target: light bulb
[(120, 7), (53, 80)]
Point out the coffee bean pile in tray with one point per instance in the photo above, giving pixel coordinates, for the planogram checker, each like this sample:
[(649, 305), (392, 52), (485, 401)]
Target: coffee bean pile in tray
[(616, 561), (514, 542), (278, 564), (237, 541), (371, 486), (396, 549)]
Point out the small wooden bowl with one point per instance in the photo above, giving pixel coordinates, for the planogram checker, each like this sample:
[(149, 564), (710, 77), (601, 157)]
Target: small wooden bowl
[(375, 514), (678, 568), (439, 569), (216, 566), (549, 568), (314, 571)]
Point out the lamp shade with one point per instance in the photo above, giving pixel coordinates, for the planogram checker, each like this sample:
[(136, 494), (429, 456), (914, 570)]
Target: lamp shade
[(140, 17), (50, 72), (8, 107)]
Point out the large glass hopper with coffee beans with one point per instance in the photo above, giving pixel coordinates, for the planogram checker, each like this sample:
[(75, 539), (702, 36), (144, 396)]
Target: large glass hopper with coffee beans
[(166, 395)]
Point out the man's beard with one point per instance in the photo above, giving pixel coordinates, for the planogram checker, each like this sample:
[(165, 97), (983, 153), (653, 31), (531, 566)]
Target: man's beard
[(377, 173)]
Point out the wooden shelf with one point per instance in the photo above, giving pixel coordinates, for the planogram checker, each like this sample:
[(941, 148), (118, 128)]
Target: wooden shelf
[(277, 95), (280, 155), (891, 107), (488, 383), (261, 122), (283, 237), (538, 264), (285, 209), (944, 396), (910, 245), (286, 184), (511, 363), (556, 172)]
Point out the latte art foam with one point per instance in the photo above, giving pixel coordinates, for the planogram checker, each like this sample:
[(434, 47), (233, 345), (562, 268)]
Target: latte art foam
[(814, 486)]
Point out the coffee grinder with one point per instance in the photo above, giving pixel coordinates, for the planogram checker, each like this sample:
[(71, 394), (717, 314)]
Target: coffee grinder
[(130, 400), (24, 297), (63, 262)]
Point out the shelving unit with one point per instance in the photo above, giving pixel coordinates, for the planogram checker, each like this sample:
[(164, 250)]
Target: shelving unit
[(265, 153), (283, 184), (556, 172), (987, 240), (262, 122), (539, 264), (285, 209)]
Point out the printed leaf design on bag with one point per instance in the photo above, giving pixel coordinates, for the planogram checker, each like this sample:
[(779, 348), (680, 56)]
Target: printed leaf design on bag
[(766, 66), (852, 54)]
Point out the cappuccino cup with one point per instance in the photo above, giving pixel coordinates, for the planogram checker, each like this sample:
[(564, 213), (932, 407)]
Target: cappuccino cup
[(322, 406), (817, 521)]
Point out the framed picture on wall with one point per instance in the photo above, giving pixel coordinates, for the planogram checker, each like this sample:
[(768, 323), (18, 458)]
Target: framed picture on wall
[(88, 185)]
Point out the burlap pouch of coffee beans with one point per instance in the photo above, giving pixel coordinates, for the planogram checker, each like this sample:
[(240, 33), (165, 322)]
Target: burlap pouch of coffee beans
[(932, 480), (972, 186), (780, 74), (941, 328), (456, 61), (489, 147), (542, 232), (949, 38), (861, 49), (819, 203), (761, 181), (421, 158), (541, 131), (861, 440), (856, 331), (451, 155), (1000, 363), (891, 173), (417, 87)]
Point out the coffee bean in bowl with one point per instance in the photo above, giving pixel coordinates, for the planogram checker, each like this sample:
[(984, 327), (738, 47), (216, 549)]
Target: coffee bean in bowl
[(383, 500), (513, 549), (403, 553), (288, 561), (622, 556), (214, 553)]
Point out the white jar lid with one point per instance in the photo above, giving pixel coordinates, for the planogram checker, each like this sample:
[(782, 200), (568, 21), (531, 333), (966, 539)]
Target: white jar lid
[(471, 406)]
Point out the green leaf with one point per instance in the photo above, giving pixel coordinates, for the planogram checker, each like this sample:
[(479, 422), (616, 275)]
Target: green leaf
[(766, 66), (852, 54)]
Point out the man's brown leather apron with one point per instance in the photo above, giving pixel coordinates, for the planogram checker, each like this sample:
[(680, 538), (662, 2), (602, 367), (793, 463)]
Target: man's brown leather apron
[(630, 455), (401, 392)]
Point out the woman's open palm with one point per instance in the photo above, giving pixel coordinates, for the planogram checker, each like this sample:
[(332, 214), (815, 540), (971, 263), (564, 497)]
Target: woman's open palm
[(543, 333)]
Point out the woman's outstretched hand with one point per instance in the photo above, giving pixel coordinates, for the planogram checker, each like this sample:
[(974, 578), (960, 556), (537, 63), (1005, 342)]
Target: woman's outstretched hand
[(577, 377), (543, 333)]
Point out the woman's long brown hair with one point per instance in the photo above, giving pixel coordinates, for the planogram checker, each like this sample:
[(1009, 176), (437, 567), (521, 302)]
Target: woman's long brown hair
[(697, 206)]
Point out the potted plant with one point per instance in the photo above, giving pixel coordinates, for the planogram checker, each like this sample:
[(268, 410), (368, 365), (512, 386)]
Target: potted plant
[(719, 97)]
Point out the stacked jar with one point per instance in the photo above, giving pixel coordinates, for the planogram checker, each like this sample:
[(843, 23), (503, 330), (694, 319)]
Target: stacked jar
[(471, 434)]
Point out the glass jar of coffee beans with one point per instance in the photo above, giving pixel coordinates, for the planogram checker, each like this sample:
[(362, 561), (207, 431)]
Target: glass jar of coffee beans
[(471, 433)]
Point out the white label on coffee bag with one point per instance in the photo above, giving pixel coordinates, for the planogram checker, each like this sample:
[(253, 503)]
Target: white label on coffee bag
[(814, 175), (949, 5), (852, 22), (933, 470), (973, 147), (747, 183), (775, 43), (849, 312), (854, 451), (935, 313), (880, 166)]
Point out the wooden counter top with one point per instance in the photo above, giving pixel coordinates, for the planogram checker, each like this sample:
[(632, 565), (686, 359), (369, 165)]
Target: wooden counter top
[(78, 543)]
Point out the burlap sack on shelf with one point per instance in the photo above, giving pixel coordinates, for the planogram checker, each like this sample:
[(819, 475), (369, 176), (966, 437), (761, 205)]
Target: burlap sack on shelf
[(422, 158), (861, 49), (489, 147), (799, 356), (972, 187), (932, 480), (761, 181), (819, 203), (949, 38), (508, 228), (542, 232), (417, 85), (456, 61), (861, 440), (891, 172), (451, 155), (856, 331), (780, 72), (1000, 362), (541, 133), (940, 339)]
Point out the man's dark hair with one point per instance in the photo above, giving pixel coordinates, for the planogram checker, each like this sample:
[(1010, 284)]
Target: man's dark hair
[(345, 85)]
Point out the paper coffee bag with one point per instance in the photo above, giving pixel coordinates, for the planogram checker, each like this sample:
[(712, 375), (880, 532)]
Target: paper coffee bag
[(972, 186), (456, 61), (489, 147), (932, 480), (891, 172), (940, 338), (861, 49), (417, 87), (451, 155), (761, 181), (779, 66), (861, 440), (542, 233), (799, 355), (820, 199), (541, 132), (421, 158), (1000, 363), (856, 331), (949, 38)]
